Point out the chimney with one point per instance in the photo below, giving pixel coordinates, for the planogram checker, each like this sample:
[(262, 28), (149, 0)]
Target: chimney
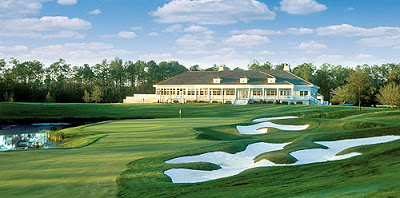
[(286, 67), (221, 68)]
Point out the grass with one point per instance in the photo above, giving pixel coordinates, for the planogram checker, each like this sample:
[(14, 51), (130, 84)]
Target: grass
[(125, 158)]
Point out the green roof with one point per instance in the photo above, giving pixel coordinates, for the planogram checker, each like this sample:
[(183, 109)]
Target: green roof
[(233, 77)]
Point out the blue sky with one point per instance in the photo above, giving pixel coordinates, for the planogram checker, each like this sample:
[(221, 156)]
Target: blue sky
[(204, 32)]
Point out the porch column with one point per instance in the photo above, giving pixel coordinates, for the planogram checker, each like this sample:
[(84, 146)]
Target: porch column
[(222, 95), (263, 93), (195, 94), (292, 93), (278, 94), (208, 94), (249, 94), (235, 93)]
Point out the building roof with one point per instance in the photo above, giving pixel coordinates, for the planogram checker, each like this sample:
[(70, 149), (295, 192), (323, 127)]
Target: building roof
[(233, 77)]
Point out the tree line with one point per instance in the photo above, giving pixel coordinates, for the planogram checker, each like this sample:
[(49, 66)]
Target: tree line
[(108, 81), (112, 81)]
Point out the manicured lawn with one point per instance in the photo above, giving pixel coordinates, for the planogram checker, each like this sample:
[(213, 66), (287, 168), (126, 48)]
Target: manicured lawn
[(127, 156)]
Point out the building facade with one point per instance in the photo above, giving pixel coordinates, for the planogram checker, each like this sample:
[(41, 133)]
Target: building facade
[(237, 87)]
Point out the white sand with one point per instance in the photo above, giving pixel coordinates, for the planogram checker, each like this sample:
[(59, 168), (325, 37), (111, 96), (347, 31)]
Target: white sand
[(233, 164), (322, 155), (262, 127)]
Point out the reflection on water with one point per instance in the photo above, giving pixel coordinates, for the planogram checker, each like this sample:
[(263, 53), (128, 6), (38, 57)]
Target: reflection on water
[(13, 137)]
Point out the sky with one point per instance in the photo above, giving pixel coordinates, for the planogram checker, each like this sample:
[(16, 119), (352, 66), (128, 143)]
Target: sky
[(203, 32)]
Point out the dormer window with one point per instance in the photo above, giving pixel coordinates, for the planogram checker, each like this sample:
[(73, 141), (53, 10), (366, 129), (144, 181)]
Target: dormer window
[(217, 80), (271, 80), (244, 80)]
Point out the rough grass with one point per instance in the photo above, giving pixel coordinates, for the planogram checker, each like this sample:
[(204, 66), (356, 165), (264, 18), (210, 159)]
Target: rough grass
[(129, 160)]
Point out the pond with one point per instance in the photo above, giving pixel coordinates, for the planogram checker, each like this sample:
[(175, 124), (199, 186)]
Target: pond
[(18, 137)]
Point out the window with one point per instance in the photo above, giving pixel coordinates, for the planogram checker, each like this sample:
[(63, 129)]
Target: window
[(271, 92), (271, 80), (203, 92), (230, 92), (191, 92), (303, 93), (285, 92), (244, 80), (217, 80), (216, 92), (257, 93)]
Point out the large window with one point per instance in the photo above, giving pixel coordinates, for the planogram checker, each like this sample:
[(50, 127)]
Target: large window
[(303, 93), (285, 92), (271, 92), (230, 92), (216, 92), (203, 92), (257, 93)]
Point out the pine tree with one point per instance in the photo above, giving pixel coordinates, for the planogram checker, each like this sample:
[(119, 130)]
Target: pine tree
[(97, 94), (49, 97), (86, 96)]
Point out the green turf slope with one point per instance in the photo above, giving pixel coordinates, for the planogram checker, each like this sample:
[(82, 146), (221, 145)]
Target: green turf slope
[(127, 157)]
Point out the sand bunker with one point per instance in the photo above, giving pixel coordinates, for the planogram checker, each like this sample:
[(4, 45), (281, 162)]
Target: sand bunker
[(262, 127), (233, 164)]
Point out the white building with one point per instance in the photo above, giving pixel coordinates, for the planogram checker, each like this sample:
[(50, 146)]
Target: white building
[(236, 87)]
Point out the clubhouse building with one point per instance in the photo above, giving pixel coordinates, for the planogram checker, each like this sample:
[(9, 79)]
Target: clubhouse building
[(233, 87)]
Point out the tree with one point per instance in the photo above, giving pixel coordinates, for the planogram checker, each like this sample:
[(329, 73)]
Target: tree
[(213, 68), (389, 94), (195, 68), (359, 83), (86, 96), (342, 95), (49, 97), (97, 94), (305, 71), (238, 69), (255, 65)]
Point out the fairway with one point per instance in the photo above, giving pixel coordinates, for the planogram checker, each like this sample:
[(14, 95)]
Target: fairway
[(128, 158)]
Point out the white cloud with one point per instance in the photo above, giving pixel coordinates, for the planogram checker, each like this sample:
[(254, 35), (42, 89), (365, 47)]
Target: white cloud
[(300, 31), (312, 45), (127, 35), (199, 29), (40, 27), (174, 28), (137, 28), (382, 41), (156, 57), (67, 2), (212, 11), (63, 34), (301, 7), (19, 8), (16, 48), (154, 34), (266, 52), (95, 12), (364, 56), (75, 53), (246, 40), (350, 9), (190, 41), (349, 30), (329, 58), (257, 32)]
